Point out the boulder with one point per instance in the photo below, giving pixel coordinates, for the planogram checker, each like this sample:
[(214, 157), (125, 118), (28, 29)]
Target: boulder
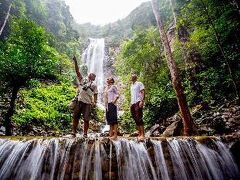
[(175, 129)]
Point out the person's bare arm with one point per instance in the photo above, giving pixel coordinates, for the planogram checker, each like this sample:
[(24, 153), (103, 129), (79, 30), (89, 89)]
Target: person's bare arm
[(142, 92), (79, 75), (141, 104), (117, 95), (115, 101), (95, 99)]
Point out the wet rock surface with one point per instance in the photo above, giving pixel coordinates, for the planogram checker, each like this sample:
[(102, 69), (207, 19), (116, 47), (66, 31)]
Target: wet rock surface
[(213, 119)]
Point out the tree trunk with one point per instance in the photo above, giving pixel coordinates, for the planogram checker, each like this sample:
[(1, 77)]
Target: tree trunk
[(5, 20), (182, 102), (10, 112)]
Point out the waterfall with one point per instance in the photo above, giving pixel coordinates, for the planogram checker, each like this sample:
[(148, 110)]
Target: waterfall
[(93, 57), (166, 159), (134, 161), (161, 166)]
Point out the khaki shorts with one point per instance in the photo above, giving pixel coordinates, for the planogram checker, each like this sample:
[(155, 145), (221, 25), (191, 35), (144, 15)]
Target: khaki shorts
[(82, 109)]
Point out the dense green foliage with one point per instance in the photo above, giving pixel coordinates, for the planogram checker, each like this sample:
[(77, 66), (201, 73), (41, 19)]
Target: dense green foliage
[(45, 106), (205, 44), (55, 16), (26, 54), (213, 32), (34, 56)]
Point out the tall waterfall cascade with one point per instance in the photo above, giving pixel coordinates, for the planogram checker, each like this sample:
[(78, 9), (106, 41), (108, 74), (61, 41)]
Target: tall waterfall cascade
[(166, 159), (93, 57)]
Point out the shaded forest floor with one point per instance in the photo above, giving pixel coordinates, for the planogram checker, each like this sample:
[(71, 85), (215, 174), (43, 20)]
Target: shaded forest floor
[(210, 119)]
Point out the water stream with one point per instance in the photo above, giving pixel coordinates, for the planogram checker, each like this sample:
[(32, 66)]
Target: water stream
[(177, 159)]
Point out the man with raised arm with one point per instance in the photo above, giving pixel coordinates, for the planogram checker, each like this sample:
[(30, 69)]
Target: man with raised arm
[(87, 98), (137, 103)]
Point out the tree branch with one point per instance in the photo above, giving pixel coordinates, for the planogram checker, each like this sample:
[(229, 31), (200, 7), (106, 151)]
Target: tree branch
[(6, 18)]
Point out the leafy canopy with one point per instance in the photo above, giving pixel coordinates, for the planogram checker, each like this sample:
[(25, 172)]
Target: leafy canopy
[(26, 54)]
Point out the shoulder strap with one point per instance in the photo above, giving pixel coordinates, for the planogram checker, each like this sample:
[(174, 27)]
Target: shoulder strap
[(90, 87)]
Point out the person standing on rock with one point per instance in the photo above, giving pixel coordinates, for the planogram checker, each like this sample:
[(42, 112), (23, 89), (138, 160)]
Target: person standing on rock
[(111, 97), (137, 103), (87, 99)]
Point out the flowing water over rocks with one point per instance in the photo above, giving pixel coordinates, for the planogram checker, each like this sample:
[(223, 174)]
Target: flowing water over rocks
[(158, 158), (93, 56)]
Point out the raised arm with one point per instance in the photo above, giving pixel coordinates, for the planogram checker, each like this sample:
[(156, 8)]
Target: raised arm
[(79, 75)]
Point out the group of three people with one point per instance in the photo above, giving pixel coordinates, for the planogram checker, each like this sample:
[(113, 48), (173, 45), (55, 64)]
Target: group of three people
[(87, 98)]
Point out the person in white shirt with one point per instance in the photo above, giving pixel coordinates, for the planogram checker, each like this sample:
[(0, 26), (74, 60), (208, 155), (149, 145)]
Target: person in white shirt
[(137, 103), (111, 97)]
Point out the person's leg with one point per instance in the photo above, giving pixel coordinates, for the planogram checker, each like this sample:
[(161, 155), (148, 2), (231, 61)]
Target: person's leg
[(112, 112), (133, 113), (76, 116), (85, 128), (134, 110), (139, 121), (74, 127), (86, 118), (115, 131), (141, 132), (111, 131), (108, 118)]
